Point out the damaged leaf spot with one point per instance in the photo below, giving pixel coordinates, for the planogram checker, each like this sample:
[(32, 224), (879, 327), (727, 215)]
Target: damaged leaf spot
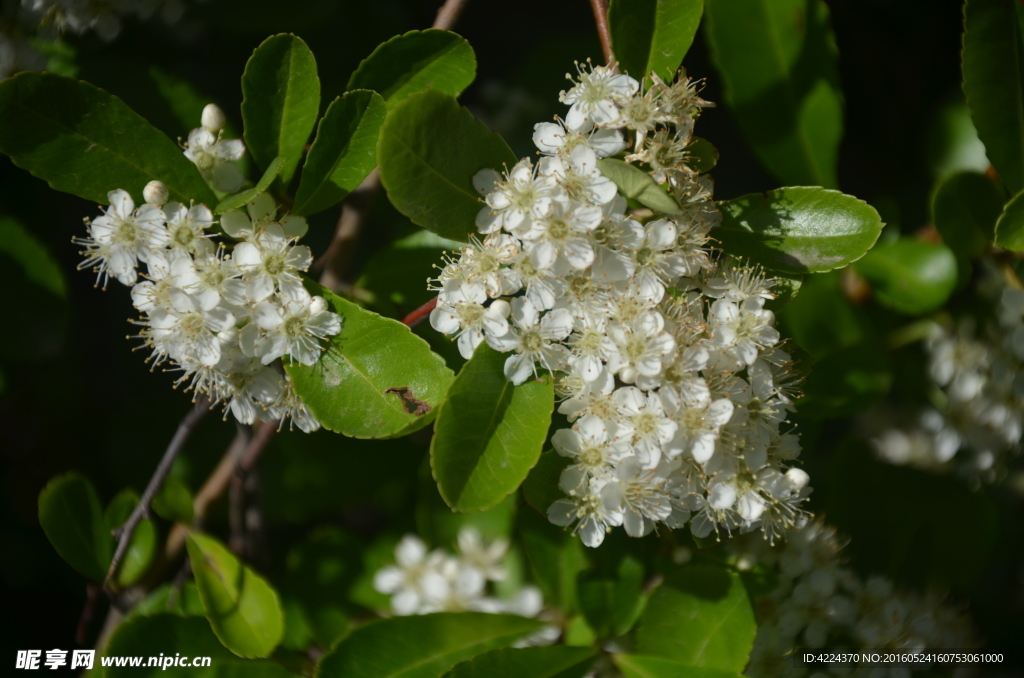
[(411, 404)]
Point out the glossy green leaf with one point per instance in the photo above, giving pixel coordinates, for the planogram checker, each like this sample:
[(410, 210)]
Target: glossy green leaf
[(952, 144), (846, 381), (785, 289), (540, 489), (701, 155), (993, 70), (777, 59), (635, 183), (653, 35), (84, 141), (183, 601), (142, 549), (280, 101), (175, 636), (429, 150), (240, 200), (422, 646), (799, 229), (489, 433), (1010, 225), (343, 153), (71, 517), (174, 501), (700, 616), (417, 61), (611, 602), (640, 666), (243, 610), (535, 662), (910, 276), (31, 254), (376, 379), (964, 210), (554, 556)]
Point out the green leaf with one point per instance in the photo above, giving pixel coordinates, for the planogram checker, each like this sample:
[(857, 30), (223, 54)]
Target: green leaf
[(555, 557), (993, 70), (343, 153), (86, 142), (240, 200), (31, 254), (142, 549), (243, 610), (635, 183), (700, 616), (175, 636), (489, 433), (777, 59), (640, 666), (429, 150), (535, 662), (1010, 226), (183, 601), (964, 210), (701, 155), (612, 602), (540, 489), (417, 61), (71, 517), (653, 35), (909, 275), (952, 144), (799, 229), (280, 101), (846, 381), (376, 379), (174, 502), (785, 289), (422, 646)]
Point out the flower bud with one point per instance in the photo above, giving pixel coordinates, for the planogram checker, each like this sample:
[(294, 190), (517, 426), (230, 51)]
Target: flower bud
[(155, 193), (798, 477), (213, 118)]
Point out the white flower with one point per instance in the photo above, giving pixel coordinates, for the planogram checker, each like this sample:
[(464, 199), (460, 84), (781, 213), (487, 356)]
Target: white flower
[(577, 174), (215, 157), (122, 237), (642, 345), (516, 201), (186, 226), (586, 513), (462, 313), (532, 338), (259, 214), (589, 444), (596, 96), (644, 423), (485, 559), (295, 328), (562, 233), (271, 263), (415, 577), (640, 495), (742, 330), (188, 328), (552, 138)]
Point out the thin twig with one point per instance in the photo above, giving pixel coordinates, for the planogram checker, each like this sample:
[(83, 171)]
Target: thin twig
[(420, 314), (88, 611), (600, 8), (141, 511), (449, 14)]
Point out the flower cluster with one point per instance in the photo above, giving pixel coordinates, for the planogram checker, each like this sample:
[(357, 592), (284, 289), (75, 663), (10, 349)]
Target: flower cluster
[(222, 318), (421, 582), (102, 16), (978, 420), (667, 361), (820, 603)]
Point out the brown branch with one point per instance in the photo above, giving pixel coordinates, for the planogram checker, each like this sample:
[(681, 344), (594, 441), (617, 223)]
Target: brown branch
[(421, 313), (88, 611), (600, 8), (449, 14), (125, 532)]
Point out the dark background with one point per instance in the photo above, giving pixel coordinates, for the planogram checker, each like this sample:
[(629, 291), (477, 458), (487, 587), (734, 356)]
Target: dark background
[(75, 397)]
